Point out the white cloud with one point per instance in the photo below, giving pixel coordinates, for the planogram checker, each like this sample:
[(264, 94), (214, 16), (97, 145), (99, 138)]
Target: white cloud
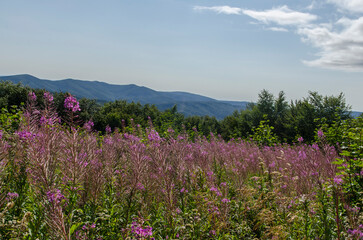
[(339, 44), (282, 16), (350, 5), (339, 50), (278, 29), (220, 9)]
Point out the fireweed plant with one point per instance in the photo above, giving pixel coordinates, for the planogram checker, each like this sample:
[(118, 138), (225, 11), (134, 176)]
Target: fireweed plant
[(64, 181)]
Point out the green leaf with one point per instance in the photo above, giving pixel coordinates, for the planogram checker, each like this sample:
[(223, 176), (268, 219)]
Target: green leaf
[(74, 227), (345, 153), (338, 161)]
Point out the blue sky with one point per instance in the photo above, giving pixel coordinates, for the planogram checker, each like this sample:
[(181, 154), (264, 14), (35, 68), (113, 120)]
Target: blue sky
[(222, 49)]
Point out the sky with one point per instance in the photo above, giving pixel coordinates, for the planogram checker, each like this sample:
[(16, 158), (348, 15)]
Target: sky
[(227, 50)]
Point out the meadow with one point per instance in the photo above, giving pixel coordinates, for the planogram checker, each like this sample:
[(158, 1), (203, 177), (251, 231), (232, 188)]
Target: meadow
[(60, 180)]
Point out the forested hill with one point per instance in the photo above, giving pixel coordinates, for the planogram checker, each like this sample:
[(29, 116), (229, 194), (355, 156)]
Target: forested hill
[(187, 103)]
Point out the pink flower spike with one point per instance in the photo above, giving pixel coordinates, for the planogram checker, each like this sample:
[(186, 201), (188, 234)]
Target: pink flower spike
[(321, 134), (48, 97), (32, 96), (71, 104)]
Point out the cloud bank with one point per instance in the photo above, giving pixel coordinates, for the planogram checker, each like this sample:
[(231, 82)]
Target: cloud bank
[(339, 44), (338, 50)]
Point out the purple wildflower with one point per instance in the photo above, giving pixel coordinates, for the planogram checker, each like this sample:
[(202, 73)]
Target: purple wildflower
[(272, 165), (225, 200), (24, 135), (108, 140), (321, 134), (10, 196), (357, 233), (55, 196), (1, 134), (48, 97), (88, 125), (213, 189), (140, 231), (214, 210), (355, 209), (47, 121), (315, 146), (154, 136), (302, 155), (300, 139), (32, 96), (140, 186), (338, 180), (71, 104)]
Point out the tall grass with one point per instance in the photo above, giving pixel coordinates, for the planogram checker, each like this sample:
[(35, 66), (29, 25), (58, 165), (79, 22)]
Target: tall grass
[(62, 181)]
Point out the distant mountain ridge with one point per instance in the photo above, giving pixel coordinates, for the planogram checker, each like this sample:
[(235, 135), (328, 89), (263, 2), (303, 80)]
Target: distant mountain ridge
[(187, 103)]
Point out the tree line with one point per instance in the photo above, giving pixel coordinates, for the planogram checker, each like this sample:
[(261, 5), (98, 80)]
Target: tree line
[(271, 115)]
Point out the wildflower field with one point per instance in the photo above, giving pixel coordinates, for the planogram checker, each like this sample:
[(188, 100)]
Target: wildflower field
[(60, 180)]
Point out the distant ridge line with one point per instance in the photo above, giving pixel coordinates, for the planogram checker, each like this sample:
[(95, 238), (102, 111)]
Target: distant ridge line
[(187, 103)]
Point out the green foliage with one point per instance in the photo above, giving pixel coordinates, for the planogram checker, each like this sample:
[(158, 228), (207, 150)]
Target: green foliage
[(329, 107), (10, 120), (263, 135), (351, 162), (203, 125), (238, 125), (123, 115), (12, 95), (308, 114), (299, 118)]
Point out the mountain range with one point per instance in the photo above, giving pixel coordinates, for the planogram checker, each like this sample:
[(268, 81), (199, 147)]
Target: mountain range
[(187, 103)]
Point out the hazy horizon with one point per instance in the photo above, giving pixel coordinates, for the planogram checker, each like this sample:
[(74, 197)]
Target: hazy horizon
[(227, 50), (232, 100)]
